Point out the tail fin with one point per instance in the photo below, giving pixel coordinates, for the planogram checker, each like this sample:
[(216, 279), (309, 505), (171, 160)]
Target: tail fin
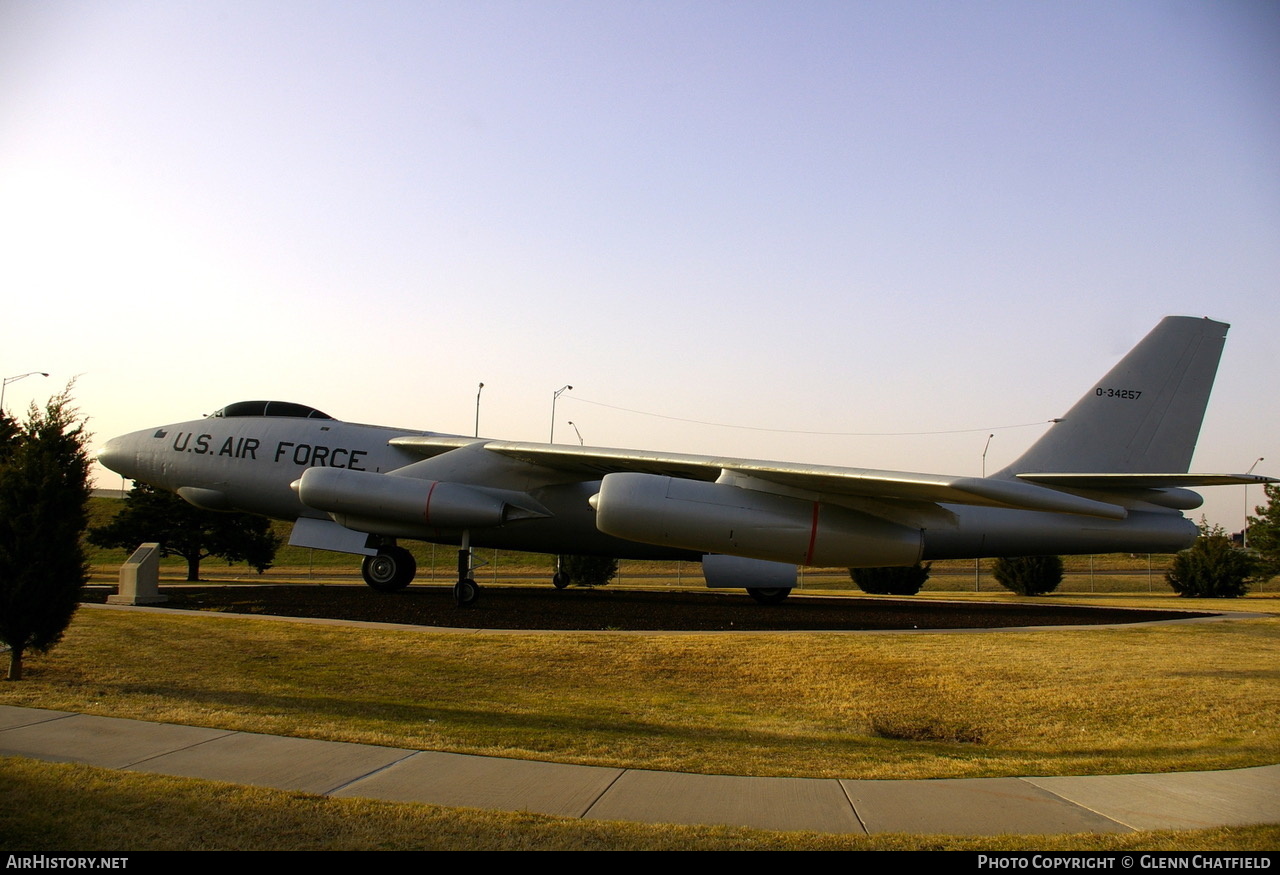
[(1144, 416)]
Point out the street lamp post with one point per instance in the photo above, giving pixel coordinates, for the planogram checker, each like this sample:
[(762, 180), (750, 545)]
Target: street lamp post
[(478, 390), (977, 563), (555, 396), (581, 443), (8, 380)]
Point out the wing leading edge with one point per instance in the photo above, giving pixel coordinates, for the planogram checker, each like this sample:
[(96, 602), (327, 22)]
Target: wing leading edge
[(765, 476)]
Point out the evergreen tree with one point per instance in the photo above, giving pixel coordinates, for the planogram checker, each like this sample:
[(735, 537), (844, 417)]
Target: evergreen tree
[(9, 431), (894, 580), (1029, 575), (1264, 531), (44, 497), (185, 530), (1211, 568)]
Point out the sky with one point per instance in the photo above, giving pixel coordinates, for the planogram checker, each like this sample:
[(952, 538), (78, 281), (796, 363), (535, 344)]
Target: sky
[(851, 233)]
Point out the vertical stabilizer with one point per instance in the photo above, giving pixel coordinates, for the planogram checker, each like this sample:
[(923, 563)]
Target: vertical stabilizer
[(1144, 416)]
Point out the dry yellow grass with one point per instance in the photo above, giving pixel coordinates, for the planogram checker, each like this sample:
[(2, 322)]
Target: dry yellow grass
[(876, 706)]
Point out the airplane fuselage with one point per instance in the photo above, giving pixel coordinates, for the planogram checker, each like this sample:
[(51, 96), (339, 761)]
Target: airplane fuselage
[(249, 463)]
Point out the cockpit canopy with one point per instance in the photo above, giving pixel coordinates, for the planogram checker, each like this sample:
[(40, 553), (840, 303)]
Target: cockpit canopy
[(269, 408)]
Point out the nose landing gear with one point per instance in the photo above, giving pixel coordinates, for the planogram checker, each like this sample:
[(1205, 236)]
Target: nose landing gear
[(466, 591)]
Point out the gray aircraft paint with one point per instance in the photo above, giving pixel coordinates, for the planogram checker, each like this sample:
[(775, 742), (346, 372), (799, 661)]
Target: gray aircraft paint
[(1111, 475), (1145, 414)]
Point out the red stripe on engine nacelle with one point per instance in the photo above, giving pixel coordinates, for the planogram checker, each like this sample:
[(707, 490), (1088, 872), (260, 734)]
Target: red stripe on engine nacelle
[(426, 510), (813, 536)]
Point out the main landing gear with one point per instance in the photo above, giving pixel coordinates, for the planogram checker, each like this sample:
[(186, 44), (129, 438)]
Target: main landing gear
[(390, 570), (393, 568)]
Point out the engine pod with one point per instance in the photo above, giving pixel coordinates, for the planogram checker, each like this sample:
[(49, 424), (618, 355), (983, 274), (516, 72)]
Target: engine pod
[(420, 504), (718, 518)]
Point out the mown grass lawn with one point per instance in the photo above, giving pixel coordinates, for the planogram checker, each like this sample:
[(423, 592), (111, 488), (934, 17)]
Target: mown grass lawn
[(1086, 701)]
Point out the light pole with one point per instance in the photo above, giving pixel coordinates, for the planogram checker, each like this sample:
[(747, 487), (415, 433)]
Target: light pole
[(481, 388), (581, 443), (1244, 533), (8, 380), (977, 563), (555, 396)]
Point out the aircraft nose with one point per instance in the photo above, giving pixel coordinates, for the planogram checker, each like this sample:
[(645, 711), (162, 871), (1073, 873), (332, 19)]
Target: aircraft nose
[(116, 456)]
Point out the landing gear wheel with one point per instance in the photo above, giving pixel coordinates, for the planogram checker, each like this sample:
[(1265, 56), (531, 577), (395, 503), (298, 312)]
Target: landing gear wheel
[(391, 570), (560, 580), (769, 596), (465, 592)]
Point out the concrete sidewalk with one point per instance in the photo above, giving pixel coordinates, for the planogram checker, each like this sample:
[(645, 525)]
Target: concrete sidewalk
[(970, 806)]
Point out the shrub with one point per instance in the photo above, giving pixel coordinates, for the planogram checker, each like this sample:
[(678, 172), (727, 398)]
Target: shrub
[(893, 580), (589, 570), (1029, 575), (1212, 568)]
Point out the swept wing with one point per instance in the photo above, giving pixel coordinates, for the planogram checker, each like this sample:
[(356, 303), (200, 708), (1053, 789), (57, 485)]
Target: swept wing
[(817, 480)]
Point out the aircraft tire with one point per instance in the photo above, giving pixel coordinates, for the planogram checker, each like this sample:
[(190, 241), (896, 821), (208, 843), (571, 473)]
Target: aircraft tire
[(391, 570), (560, 580), (465, 593), (769, 596)]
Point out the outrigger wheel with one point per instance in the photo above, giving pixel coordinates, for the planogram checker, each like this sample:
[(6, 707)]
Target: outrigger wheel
[(770, 596), (391, 569), (465, 592)]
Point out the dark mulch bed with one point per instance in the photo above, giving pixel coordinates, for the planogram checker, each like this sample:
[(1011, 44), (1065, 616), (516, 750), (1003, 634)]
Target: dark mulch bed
[(510, 607)]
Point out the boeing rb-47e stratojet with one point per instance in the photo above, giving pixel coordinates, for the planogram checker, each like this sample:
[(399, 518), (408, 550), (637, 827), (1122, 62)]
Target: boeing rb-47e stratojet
[(1111, 475)]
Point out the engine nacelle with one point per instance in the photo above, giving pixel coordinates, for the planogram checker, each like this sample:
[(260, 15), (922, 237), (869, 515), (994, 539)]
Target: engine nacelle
[(370, 500), (718, 518)]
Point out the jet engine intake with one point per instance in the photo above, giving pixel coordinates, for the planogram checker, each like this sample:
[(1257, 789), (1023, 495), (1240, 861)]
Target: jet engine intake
[(718, 518), (420, 504)]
